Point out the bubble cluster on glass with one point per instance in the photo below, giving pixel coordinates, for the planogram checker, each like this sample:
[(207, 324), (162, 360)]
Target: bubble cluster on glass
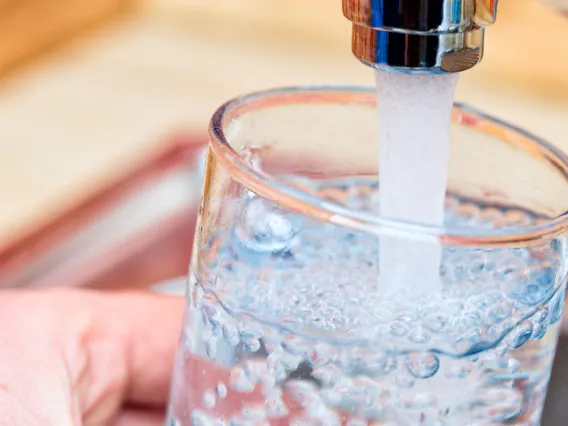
[(294, 308)]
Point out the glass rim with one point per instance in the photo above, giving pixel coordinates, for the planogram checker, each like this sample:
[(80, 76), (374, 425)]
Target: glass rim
[(293, 198)]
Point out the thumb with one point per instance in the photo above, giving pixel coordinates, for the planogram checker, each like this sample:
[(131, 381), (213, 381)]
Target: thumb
[(74, 358)]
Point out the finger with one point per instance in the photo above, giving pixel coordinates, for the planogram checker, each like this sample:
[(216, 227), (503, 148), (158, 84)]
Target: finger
[(72, 355), (140, 418), (147, 327)]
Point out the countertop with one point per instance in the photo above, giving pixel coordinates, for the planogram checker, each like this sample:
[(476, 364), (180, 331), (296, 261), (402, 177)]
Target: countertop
[(72, 121)]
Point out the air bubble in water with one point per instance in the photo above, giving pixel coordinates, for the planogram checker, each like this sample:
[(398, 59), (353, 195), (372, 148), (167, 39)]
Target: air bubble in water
[(211, 347), (419, 335), (356, 422), (501, 349), (390, 365), (200, 418), (275, 405), (420, 401), (302, 392), (264, 227), (499, 312), (254, 412), (221, 390), (404, 379), (556, 308), (541, 315), (422, 365), (231, 334), (458, 372), (239, 381), (328, 375), (520, 335), (252, 344), (399, 328), (256, 370), (436, 322), (209, 399), (539, 331)]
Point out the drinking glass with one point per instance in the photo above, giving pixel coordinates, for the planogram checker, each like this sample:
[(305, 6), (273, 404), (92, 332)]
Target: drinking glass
[(287, 319)]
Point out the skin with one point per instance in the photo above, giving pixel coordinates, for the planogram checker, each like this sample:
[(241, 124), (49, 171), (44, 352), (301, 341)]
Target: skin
[(86, 358)]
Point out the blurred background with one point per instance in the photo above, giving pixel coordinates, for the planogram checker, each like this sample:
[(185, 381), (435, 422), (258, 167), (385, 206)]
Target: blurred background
[(91, 89)]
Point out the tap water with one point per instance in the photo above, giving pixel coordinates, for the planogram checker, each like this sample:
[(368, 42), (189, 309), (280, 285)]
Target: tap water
[(414, 114), (285, 325)]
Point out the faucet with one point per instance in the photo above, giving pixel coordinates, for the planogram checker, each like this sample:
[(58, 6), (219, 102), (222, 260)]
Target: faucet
[(421, 36)]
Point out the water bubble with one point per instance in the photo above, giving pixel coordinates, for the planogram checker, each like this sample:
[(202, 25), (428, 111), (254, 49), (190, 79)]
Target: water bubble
[(556, 308), (421, 400), (422, 365), (419, 335), (243, 420), (254, 412), (331, 396), (364, 396), (541, 315), (407, 316), (382, 312), (320, 415), (404, 379), (274, 368), (264, 227), (457, 371), (328, 375), (302, 392), (513, 365), (317, 355), (275, 405), (436, 322), (452, 307), (390, 365), (472, 340), (501, 349), (252, 344), (499, 312), (480, 301), (323, 419), (200, 418), (221, 390), (255, 370), (539, 331), (399, 328), (209, 399), (212, 315), (356, 422), (211, 347), (239, 381), (289, 361), (520, 335)]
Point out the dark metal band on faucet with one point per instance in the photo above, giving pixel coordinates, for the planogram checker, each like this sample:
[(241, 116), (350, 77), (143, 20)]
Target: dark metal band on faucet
[(419, 36)]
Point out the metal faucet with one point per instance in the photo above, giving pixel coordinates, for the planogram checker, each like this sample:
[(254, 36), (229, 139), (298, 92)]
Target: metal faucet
[(421, 36)]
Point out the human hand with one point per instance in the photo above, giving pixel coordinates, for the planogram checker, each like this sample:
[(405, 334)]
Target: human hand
[(83, 358)]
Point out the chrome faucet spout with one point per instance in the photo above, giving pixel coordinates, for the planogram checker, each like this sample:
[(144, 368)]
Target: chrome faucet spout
[(419, 36)]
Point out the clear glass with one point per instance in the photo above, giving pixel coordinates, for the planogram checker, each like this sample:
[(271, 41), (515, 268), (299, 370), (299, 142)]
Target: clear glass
[(286, 321)]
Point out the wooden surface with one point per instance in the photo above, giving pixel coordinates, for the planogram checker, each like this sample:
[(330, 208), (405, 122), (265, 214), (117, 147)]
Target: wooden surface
[(74, 120), (29, 27)]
